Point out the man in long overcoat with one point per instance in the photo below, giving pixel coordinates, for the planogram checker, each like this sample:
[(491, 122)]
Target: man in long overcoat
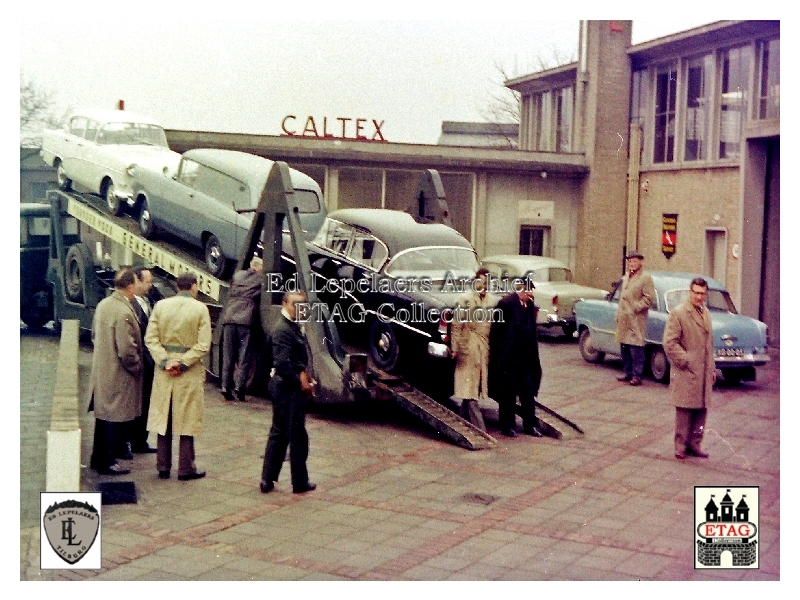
[(237, 322), (636, 297), (178, 336), (469, 341), (115, 385), (290, 388), (514, 366), (689, 346)]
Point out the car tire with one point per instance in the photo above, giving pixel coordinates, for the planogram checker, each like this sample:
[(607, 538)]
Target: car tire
[(64, 182), (146, 222), (383, 347), (216, 261), (588, 352), (659, 365), (78, 263), (115, 206)]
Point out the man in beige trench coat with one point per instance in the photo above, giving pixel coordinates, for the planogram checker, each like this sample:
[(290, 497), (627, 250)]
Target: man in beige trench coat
[(689, 346), (636, 296), (115, 384), (178, 337), (469, 345)]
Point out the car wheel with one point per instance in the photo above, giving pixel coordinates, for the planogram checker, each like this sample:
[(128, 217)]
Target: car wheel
[(383, 347), (146, 223), (588, 352), (115, 205), (64, 182), (216, 262), (659, 365), (78, 263)]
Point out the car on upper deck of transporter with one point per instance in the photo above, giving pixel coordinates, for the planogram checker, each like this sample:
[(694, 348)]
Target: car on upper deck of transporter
[(98, 149), (740, 342), (211, 200)]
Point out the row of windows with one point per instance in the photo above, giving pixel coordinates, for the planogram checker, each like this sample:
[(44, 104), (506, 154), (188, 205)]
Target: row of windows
[(547, 120), (695, 109)]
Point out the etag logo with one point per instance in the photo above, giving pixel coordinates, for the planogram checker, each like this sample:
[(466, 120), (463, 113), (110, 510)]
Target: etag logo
[(726, 528)]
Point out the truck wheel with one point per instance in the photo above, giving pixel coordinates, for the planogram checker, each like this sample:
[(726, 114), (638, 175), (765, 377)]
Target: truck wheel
[(588, 352), (383, 347), (216, 262), (115, 206), (79, 262), (64, 182), (659, 365), (146, 223)]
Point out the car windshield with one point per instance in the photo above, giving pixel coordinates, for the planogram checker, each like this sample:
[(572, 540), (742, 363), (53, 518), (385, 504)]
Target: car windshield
[(434, 263), (717, 300), (132, 134)]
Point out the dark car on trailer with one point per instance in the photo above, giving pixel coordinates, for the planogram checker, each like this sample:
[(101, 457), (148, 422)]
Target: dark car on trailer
[(387, 279)]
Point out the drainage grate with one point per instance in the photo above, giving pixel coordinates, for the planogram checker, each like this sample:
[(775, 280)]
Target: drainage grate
[(117, 492)]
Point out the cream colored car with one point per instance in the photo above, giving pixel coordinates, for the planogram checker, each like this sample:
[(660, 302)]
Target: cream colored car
[(98, 150), (556, 292)]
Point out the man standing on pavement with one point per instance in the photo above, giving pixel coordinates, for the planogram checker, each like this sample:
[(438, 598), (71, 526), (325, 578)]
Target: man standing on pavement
[(143, 305), (514, 366), (115, 385), (237, 322), (689, 346), (289, 388), (469, 346), (636, 296), (178, 336)]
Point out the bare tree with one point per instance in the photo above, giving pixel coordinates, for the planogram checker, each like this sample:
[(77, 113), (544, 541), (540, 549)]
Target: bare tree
[(36, 105), (504, 105)]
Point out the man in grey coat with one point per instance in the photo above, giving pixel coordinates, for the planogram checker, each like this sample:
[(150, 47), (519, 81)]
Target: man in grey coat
[(636, 297), (237, 322), (115, 385), (689, 346)]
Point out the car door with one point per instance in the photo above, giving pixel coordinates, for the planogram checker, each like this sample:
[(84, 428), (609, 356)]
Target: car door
[(604, 332)]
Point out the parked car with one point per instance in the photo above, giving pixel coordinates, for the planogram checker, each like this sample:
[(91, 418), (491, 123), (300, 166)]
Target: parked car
[(384, 277), (555, 291), (98, 150), (211, 199), (740, 342)]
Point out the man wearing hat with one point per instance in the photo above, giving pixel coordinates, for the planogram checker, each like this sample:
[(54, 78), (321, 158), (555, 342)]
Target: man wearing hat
[(636, 296)]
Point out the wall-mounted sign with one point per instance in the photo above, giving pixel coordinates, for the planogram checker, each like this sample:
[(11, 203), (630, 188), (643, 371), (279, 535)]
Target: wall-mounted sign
[(339, 128), (669, 234)]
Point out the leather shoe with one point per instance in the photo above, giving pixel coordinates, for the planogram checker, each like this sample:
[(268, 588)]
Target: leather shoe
[(509, 433), (114, 470), (534, 431), (146, 449), (680, 455), (308, 487), (267, 486), (624, 378), (697, 453), (190, 476), (163, 474), (636, 381), (239, 394), (226, 393)]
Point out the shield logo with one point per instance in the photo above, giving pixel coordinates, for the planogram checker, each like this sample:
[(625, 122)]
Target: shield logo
[(71, 527)]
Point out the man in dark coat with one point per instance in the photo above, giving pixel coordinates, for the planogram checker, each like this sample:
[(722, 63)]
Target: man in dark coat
[(290, 388), (115, 384), (146, 295), (514, 366), (237, 328)]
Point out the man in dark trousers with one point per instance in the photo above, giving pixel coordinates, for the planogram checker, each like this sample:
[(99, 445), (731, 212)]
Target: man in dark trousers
[(514, 366), (689, 346), (290, 388), (237, 328), (636, 296), (146, 295), (115, 384)]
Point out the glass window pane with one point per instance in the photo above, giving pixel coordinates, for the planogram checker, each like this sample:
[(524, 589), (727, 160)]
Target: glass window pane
[(664, 132), (698, 88), (733, 101), (770, 93)]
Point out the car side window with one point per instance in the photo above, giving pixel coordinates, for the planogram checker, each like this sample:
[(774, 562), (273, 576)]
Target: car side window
[(77, 126), (91, 129), (335, 236), (367, 250), (187, 172)]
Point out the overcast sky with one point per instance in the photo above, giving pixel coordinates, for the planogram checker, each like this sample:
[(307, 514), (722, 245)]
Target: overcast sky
[(246, 75)]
